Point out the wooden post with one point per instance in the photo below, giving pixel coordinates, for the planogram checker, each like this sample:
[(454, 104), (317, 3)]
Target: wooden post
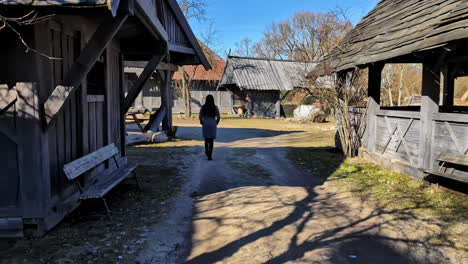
[(429, 106), (166, 97), (278, 106), (373, 104), (448, 86)]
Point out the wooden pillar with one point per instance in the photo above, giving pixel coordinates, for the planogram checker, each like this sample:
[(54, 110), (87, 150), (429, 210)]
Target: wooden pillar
[(278, 105), (167, 97), (373, 104), (429, 106), (448, 86)]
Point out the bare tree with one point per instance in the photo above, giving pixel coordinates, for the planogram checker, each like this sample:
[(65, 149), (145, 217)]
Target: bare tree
[(244, 48), (306, 36), (400, 81), (194, 9)]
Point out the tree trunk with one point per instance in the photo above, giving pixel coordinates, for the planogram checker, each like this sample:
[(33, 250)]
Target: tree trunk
[(400, 88)]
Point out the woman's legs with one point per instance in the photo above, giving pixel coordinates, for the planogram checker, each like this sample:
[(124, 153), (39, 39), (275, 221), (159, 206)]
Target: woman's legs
[(209, 145)]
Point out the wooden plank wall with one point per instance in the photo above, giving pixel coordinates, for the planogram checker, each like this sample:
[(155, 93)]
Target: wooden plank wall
[(9, 179), (398, 136), (169, 22), (64, 135), (450, 136)]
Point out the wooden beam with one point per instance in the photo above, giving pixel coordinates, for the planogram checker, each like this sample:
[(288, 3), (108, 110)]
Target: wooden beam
[(163, 66), (142, 79), (181, 49), (81, 67), (156, 119)]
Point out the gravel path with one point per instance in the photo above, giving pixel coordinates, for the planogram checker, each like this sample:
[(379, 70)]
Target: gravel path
[(253, 205)]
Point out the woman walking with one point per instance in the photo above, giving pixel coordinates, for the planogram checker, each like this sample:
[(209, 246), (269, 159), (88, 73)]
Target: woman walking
[(209, 119)]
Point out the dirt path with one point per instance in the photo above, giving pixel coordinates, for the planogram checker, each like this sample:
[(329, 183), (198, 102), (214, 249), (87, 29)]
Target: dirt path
[(254, 206)]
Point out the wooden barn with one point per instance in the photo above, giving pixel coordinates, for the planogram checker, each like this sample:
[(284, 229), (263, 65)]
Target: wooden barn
[(202, 83), (428, 140), (63, 99), (265, 82)]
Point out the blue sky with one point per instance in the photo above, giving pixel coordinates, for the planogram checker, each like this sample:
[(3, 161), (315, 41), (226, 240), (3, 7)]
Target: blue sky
[(237, 19)]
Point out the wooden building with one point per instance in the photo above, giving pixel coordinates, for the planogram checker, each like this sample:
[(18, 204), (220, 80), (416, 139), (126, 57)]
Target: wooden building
[(54, 111), (264, 81), (426, 139), (203, 82)]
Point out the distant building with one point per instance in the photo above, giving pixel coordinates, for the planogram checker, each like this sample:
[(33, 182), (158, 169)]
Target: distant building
[(260, 84), (203, 83)]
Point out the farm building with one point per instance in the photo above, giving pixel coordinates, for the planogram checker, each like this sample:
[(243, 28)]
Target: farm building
[(427, 140), (63, 100), (202, 83), (265, 82)]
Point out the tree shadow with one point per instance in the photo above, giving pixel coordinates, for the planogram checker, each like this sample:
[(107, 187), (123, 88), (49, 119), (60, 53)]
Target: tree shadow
[(326, 228)]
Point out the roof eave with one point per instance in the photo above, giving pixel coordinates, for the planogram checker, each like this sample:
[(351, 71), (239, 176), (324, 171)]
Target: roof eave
[(188, 31)]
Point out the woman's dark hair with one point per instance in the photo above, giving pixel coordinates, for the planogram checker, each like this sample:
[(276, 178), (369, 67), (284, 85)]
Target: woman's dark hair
[(209, 108)]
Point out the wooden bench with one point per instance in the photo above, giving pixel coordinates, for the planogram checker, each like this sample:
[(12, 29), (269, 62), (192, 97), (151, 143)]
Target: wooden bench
[(444, 171), (104, 181)]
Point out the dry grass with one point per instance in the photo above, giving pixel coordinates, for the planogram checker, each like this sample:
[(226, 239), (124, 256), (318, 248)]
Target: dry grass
[(89, 236), (384, 189)]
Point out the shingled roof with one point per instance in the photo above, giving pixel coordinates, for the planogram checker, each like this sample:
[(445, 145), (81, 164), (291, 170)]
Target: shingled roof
[(400, 27), (265, 74), (199, 73)]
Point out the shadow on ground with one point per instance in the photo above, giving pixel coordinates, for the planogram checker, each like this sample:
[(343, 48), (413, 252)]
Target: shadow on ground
[(296, 219), (230, 135)]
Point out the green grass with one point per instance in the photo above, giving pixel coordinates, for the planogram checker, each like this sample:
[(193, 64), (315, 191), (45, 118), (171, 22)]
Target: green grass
[(395, 191), (381, 188)]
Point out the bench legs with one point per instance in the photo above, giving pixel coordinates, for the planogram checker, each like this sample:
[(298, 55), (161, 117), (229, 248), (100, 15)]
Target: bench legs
[(136, 180), (107, 207)]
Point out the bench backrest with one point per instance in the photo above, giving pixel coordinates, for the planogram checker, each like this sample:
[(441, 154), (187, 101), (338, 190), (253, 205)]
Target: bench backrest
[(92, 160), (453, 158)]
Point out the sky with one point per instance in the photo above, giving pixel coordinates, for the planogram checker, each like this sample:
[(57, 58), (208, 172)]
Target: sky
[(234, 20)]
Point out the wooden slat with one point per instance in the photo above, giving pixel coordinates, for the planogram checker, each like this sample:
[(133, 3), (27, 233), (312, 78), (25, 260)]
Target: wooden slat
[(181, 49), (107, 183), (99, 41), (459, 159), (90, 161)]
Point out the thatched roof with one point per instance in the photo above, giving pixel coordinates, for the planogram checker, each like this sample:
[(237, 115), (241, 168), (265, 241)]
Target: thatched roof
[(400, 27), (265, 74)]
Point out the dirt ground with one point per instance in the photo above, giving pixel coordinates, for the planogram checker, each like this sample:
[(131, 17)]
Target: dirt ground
[(252, 204)]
